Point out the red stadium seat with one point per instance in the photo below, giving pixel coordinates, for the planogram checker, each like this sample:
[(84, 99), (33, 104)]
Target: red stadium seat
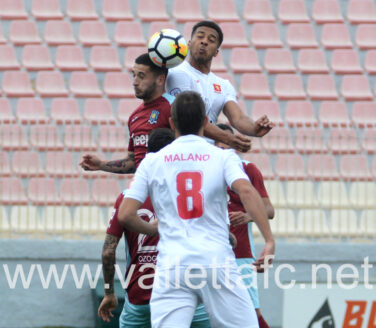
[(105, 190), (12, 9), (98, 111), (159, 25), (84, 84), (23, 32), (278, 140), (265, 35), (104, 59), (365, 36), (327, 11), (115, 10), (4, 165), (279, 61), (185, 11), (300, 113), (74, 191), (17, 84), (79, 138), (60, 164), (58, 33), (321, 87), (13, 137), (126, 108), (6, 115), (45, 137), (46, 9), (118, 85), (269, 108), (218, 64), (31, 111), (93, 33), (254, 86), (36, 58), (345, 61), (292, 11), (333, 113), (2, 37), (312, 61), (131, 53), (222, 11), (113, 138), (187, 30), (12, 191), (355, 168), (258, 11), (359, 12), (151, 10), (289, 86), (27, 164), (364, 114), (42, 191), (370, 62), (70, 58), (356, 87), (8, 58), (343, 141), (65, 111), (290, 167), (244, 60), (300, 35), (226, 76), (80, 10), (310, 140), (51, 84), (335, 36), (234, 35), (322, 167), (129, 34)]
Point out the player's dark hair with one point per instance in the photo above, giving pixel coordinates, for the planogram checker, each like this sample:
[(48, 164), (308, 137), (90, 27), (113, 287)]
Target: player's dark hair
[(159, 138), (225, 127), (144, 59), (212, 25), (188, 112)]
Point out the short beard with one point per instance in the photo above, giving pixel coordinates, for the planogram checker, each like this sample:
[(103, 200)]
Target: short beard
[(201, 61), (148, 93)]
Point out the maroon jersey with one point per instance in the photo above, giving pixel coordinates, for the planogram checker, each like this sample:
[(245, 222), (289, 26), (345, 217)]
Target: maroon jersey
[(142, 253), (145, 118), (243, 248)]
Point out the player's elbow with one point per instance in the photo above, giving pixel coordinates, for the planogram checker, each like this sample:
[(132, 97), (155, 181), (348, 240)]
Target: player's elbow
[(270, 212)]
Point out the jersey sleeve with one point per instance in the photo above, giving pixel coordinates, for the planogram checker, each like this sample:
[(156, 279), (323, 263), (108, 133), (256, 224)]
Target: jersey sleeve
[(177, 81), (114, 227), (130, 142), (257, 180), (139, 187), (233, 168), (230, 93)]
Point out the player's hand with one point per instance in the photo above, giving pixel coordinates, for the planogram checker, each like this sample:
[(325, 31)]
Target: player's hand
[(266, 256), (239, 218), (239, 142), (108, 304), (90, 162), (263, 126), (233, 240)]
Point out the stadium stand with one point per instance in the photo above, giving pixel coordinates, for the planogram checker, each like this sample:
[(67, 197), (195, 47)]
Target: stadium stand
[(115, 10)]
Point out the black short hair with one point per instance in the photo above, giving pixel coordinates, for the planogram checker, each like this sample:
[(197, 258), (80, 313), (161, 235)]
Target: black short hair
[(225, 127), (188, 112), (212, 25), (144, 59), (159, 138)]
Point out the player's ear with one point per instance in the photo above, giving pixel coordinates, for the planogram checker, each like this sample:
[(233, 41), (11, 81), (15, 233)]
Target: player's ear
[(216, 53), (161, 79)]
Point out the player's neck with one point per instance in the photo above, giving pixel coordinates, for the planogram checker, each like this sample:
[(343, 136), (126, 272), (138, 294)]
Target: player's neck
[(203, 68)]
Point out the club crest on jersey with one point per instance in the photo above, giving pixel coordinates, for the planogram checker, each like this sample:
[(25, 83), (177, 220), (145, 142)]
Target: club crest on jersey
[(153, 117), (217, 88)]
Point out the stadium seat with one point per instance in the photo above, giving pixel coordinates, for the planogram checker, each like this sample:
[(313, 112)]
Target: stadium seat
[(300, 113), (301, 194), (6, 115), (289, 86), (326, 11), (364, 114), (370, 62), (58, 33), (60, 164), (279, 61), (345, 61), (369, 141), (74, 191), (151, 10), (262, 161), (185, 11), (344, 223), (17, 84), (227, 76), (276, 193), (254, 86), (301, 35), (42, 191), (159, 25), (118, 85), (187, 30), (321, 87), (312, 61), (244, 60), (88, 219), (105, 191), (343, 141), (115, 10), (104, 59), (290, 167), (365, 36), (367, 220), (56, 219), (322, 167), (79, 138), (335, 36), (45, 137), (355, 168), (23, 32), (81, 10), (278, 140), (24, 219), (283, 225), (333, 113), (4, 165), (126, 108), (2, 37), (310, 140), (12, 9), (51, 84), (129, 34), (8, 58), (222, 11), (93, 33), (332, 194), (31, 111), (27, 164), (46, 10), (70, 58), (36, 58), (234, 35), (13, 137), (11, 191), (363, 195), (112, 138), (4, 221), (65, 111), (98, 111), (360, 12), (258, 11), (269, 108), (356, 87), (131, 53), (218, 64), (265, 35), (312, 223), (292, 11), (84, 84)]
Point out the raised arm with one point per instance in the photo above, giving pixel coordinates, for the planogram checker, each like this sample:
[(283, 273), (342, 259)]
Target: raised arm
[(122, 166)]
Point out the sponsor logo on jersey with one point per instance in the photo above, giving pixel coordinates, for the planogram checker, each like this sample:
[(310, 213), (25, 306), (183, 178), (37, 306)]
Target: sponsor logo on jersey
[(153, 117), (217, 88), (141, 140)]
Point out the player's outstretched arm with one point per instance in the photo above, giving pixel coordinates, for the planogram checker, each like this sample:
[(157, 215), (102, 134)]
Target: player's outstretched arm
[(122, 166)]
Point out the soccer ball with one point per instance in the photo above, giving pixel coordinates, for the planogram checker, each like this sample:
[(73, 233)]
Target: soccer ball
[(167, 48)]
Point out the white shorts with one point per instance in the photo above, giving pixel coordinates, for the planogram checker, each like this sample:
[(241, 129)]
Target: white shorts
[(175, 297)]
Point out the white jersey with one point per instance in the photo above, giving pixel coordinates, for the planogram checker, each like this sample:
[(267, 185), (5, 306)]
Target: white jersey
[(187, 183), (215, 91)]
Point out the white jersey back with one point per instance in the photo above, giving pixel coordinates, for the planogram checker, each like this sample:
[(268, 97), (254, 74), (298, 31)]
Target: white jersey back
[(187, 183), (215, 91)]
